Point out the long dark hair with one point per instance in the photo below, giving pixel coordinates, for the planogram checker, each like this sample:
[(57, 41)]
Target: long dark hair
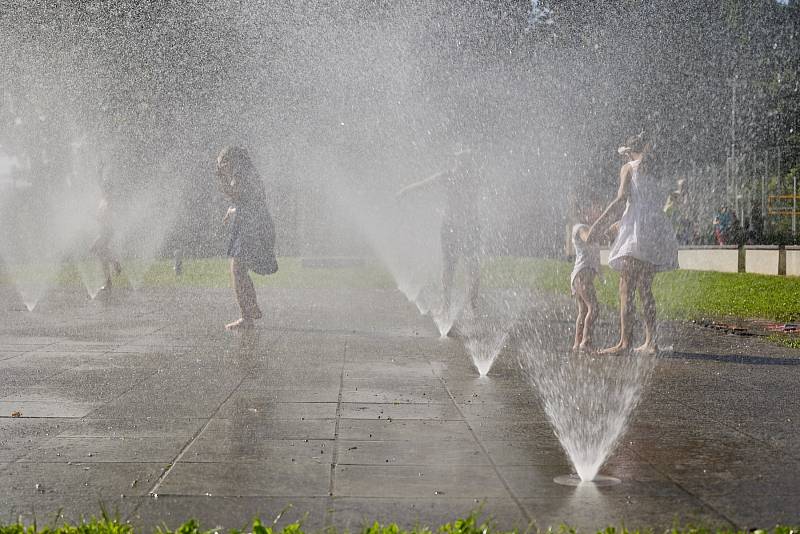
[(239, 160), (242, 167)]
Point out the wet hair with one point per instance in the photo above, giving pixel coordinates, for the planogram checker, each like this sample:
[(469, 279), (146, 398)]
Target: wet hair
[(243, 170), (238, 157), (637, 143)]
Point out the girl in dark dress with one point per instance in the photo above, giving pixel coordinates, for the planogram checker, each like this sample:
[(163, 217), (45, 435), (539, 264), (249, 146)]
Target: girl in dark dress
[(252, 243)]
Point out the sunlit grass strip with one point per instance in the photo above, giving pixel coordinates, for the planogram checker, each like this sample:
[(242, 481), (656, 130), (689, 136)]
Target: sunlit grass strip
[(679, 294), (211, 273), (468, 525)]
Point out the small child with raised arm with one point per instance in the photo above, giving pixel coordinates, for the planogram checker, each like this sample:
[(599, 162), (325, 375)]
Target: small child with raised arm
[(587, 267), (102, 245)]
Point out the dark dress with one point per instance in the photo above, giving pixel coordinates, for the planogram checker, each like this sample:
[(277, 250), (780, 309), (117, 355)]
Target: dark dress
[(252, 231)]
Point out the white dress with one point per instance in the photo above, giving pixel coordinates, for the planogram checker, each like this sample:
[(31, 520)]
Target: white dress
[(645, 233), (587, 256)]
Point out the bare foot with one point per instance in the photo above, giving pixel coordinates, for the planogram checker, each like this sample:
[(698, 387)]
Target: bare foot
[(619, 348), (648, 349), (587, 348), (576, 347), (239, 324)]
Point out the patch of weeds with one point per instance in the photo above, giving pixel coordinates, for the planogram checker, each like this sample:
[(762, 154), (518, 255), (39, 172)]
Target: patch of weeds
[(467, 525), (784, 340), (101, 525)]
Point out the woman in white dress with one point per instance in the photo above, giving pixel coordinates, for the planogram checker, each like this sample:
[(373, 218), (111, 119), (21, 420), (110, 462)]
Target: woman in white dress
[(645, 243)]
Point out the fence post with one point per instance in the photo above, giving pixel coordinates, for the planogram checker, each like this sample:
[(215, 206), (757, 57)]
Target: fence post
[(794, 206), (741, 262)]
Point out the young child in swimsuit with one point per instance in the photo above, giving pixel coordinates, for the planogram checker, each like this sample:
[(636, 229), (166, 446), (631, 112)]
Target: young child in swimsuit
[(587, 267)]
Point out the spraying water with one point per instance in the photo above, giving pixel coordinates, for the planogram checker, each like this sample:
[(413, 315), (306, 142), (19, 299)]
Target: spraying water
[(588, 400)]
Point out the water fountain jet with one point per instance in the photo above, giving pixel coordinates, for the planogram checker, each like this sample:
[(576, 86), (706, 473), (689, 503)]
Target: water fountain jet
[(588, 400)]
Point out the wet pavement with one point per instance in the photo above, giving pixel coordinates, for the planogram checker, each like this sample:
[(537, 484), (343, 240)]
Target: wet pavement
[(345, 406)]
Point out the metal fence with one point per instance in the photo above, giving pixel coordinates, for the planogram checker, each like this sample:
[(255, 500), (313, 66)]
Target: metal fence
[(753, 185)]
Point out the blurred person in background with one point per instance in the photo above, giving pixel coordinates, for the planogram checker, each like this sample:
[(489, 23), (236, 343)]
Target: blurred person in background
[(101, 247)]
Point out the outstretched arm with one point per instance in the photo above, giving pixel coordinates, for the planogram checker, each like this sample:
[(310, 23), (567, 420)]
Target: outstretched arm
[(619, 200), (427, 182)]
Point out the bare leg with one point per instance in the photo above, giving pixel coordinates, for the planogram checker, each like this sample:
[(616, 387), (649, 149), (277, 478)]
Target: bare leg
[(106, 265), (101, 250), (448, 273), (627, 288), (579, 321), (245, 296), (645, 288), (116, 264), (587, 293), (474, 274)]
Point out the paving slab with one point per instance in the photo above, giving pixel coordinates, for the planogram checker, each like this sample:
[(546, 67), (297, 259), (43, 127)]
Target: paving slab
[(253, 405), (412, 452), (162, 449), (270, 479), (18, 435), (348, 406), (134, 426), (430, 481), (49, 407), (251, 428), (43, 490), (218, 447)]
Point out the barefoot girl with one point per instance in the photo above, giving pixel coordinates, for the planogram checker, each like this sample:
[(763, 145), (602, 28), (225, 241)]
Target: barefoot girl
[(252, 243), (587, 267), (645, 244)]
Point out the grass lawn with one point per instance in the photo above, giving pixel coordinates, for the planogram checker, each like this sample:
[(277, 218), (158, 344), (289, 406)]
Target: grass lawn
[(211, 273), (683, 295)]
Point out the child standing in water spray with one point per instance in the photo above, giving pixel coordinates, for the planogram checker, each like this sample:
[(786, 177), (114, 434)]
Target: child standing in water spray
[(102, 245), (460, 230), (252, 244), (587, 267)]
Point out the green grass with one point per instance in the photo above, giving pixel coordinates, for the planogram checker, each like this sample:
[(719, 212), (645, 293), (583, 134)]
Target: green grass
[(209, 273), (468, 525), (682, 295), (784, 339)]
